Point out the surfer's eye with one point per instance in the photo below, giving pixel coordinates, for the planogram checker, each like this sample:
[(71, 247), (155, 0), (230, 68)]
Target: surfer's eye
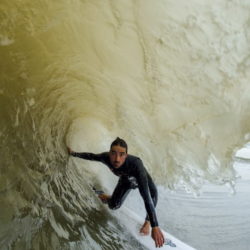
[(122, 154)]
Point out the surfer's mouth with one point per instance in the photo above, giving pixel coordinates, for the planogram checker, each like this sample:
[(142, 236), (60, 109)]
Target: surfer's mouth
[(116, 163)]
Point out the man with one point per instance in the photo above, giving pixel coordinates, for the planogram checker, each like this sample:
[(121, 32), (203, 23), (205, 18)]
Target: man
[(132, 174)]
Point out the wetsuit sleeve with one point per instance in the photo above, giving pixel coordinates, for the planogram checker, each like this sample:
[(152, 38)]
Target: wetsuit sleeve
[(89, 156), (142, 180)]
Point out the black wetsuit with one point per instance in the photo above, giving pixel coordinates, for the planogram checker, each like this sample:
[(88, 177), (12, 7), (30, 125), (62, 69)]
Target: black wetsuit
[(132, 174)]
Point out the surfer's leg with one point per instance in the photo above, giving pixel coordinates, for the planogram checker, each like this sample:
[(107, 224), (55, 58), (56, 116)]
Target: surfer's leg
[(119, 195)]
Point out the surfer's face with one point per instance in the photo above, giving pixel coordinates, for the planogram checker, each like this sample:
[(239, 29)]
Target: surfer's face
[(117, 156)]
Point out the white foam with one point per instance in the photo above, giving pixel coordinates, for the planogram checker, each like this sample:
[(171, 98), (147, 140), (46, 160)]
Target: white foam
[(4, 40)]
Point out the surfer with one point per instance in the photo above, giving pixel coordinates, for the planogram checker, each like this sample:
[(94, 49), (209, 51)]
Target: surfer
[(132, 174)]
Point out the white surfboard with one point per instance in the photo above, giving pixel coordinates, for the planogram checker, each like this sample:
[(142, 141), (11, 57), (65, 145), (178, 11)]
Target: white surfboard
[(135, 221)]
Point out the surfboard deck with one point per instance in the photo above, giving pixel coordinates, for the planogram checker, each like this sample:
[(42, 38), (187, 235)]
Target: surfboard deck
[(135, 221), (170, 241)]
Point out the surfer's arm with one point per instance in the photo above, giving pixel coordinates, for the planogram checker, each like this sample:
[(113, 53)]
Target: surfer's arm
[(87, 156), (142, 180)]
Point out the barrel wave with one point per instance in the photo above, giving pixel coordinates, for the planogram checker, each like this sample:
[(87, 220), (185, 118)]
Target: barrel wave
[(172, 79)]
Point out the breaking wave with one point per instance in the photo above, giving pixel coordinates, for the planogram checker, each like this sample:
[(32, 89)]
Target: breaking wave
[(170, 78)]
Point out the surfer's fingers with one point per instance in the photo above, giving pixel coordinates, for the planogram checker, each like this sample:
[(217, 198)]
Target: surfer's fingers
[(156, 243), (160, 241)]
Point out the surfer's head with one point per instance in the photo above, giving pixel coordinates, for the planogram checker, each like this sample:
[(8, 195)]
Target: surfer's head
[(118, 152), (119, 142)]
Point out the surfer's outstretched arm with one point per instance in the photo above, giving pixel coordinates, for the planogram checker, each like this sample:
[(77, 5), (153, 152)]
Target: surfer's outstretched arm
[(86, 156)]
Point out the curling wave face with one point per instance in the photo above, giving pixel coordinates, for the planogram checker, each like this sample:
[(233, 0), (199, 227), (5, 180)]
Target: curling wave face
[(171, 79)]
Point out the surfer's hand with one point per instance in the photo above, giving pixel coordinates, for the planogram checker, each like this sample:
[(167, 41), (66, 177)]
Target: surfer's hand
[(69, 150), (158, 236)]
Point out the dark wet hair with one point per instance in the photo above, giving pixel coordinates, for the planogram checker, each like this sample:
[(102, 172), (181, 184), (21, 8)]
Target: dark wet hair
[(119, 142)]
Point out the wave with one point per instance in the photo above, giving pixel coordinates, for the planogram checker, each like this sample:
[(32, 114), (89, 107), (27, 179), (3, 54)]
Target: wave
[(80, 73)]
